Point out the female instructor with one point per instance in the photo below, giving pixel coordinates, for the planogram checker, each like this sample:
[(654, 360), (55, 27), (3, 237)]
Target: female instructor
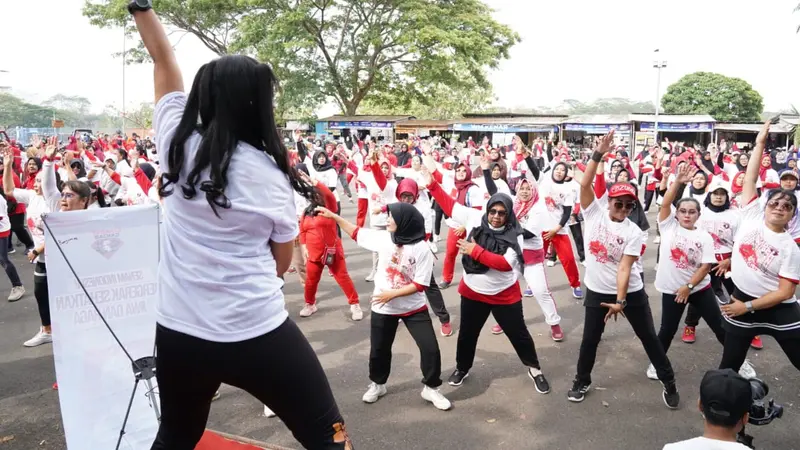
[(225, 244)]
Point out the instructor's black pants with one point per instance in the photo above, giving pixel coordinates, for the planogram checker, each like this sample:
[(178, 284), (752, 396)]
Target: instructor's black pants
[(511, 320), (279, 368), (722, 287), (641, 320), (435, 299), (19, 228)]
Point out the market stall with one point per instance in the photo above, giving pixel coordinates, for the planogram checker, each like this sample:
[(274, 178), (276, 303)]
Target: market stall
[(691, 129), (381, 128), (501, 128), (580, 130)]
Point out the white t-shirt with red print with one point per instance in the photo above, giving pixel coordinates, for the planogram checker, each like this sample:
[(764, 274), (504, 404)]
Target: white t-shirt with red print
[(794, 225), (761, 256), (553, 198), (606, 242), (398, 266), (681, 253), (722, 226), (36, 206)]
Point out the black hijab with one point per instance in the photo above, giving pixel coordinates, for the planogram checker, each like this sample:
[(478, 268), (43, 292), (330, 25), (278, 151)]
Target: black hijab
[(637, 215), (553, 173), (708, 163), (717, 209), (321, 167), (701, 191), (410, 224), (495, 241)]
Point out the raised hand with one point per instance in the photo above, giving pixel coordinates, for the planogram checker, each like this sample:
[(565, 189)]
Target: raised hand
[(605, 143), (684, 174), (761, 139)]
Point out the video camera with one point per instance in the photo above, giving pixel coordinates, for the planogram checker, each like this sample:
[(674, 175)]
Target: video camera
[(762, 412)]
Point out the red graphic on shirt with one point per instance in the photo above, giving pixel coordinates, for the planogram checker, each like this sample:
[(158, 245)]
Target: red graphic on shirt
[(551, 204), (400, 273), (605, 246), (599, 251), (35, 226), (721, 233), (759, 254), (679, 257)]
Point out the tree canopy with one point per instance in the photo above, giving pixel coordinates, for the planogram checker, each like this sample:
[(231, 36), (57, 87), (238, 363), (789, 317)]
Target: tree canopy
[(727, 99), (347, 51)]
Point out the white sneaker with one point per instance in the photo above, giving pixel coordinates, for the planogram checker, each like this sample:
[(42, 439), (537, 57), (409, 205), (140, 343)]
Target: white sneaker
[(371, 277), (657, 240), (268, 412), (434, 396), (747, 371), (583, 263), (655, 268), (42, 337), (436, 238), (434, 247), (16, 293), (374, 392), (308, 310), (216, 396), (356, 313), (551, 263), (651, 372)]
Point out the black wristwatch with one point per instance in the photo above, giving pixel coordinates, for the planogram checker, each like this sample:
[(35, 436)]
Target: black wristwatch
[(139, 5), (623, 303)]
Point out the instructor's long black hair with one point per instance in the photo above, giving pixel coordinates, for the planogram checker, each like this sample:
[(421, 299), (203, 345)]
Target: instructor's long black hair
[(232, 97)]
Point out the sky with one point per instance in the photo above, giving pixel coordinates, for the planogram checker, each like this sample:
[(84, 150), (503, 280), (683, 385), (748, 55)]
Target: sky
[(571, 49)]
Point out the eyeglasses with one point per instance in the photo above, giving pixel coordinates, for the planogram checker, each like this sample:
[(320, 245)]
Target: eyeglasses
[(782, 206), (627, 206), (498, 212), (68, 195)]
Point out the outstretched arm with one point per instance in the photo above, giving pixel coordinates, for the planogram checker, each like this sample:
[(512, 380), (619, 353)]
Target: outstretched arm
[(587, 192), (753, 165), (682, 178), (166, 73)]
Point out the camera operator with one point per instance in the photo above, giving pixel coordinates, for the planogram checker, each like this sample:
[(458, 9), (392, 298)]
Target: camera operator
[(725, 400)]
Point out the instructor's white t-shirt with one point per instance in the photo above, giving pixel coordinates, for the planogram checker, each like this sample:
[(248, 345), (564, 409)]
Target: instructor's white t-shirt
[(702, 443), (217, 276)]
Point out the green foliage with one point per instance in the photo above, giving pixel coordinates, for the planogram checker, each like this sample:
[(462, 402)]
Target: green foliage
[(726, 99), (74, 111), (599, 106), (347, 51)]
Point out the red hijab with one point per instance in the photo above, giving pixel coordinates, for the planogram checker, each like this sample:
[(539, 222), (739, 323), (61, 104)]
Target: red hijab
[(462, 187), (734, 188), (522, 208)]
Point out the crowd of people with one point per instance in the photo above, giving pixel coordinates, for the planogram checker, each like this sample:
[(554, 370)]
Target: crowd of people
[(727, 230)]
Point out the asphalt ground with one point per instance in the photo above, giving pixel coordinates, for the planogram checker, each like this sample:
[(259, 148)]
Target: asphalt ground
[(497, 407)]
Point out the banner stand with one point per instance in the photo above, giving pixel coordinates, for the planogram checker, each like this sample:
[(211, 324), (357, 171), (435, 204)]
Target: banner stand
[(144, 369)]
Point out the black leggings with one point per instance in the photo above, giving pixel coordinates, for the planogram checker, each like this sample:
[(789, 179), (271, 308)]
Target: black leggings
[(383, 329), (41, 294), (19, 228), (717, 284), (577, 235), (648, 199), (435, 299), (279, 368), (511, 320), (737, 345), (437, 223), (641, 320), (705, 304), (8, 266)]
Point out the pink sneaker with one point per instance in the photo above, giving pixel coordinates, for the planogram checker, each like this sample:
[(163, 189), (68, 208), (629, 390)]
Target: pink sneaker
[(447, 330), (497, 330), (557, 333)]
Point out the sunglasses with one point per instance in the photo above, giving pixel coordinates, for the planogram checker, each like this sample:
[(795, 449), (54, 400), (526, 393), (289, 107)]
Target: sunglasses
[(782, 206), (626, 206), (498, 212)]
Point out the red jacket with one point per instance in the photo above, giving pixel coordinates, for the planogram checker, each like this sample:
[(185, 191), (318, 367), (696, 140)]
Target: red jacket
[(318, 233)]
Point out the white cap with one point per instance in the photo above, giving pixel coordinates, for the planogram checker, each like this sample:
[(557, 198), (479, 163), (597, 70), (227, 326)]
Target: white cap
[(719, 183)]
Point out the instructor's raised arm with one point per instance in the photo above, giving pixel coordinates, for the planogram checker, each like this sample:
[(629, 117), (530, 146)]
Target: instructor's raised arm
[(166, 73)]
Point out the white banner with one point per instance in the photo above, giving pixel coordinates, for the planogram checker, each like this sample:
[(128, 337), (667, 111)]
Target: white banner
[(114, 252)]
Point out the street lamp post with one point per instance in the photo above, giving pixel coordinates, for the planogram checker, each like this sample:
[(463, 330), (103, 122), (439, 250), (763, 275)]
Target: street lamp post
[(658, 64)]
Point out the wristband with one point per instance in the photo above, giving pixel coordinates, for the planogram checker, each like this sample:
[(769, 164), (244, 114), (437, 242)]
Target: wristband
[(597, 156)]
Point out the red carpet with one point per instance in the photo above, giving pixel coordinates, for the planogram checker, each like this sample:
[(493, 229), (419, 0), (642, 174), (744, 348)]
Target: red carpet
[(213, 441)]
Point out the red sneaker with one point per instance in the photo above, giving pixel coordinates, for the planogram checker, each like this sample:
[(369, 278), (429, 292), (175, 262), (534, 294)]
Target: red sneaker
[(757, 343), (497, 329), (688, 335), (557, 333), (55, 386), (292, 269), (447, 330)]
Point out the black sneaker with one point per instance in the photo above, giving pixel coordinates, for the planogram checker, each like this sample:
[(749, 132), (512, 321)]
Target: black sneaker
[(445, 284), (457, 378), (670, 395), (542, 386), (12, 250), (578, 391)]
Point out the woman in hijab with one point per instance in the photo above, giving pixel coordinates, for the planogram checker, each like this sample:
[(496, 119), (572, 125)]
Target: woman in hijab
[(466, 193), (405, 266), (736, 190), (492, 261)]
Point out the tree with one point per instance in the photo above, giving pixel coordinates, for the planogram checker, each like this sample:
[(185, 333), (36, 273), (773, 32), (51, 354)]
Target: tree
[(344, 50), (74, 103), (441, 103), (724, 98)]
